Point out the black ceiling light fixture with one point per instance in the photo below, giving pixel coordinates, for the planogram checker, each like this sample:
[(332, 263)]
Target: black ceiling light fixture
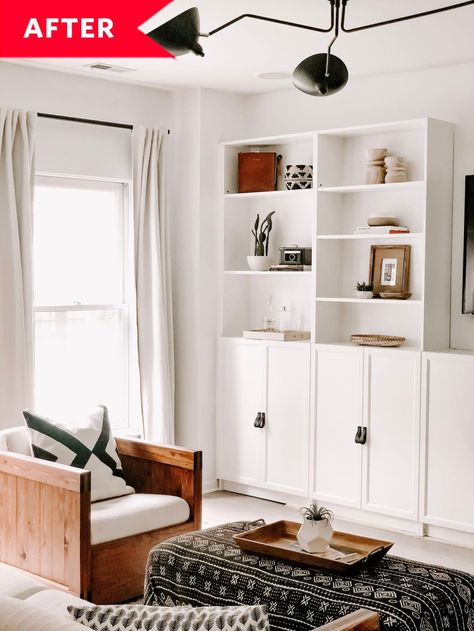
[(181, 34), (322, 74)]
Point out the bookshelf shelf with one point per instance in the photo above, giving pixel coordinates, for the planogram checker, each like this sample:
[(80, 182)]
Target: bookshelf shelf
[(272, 274), (374, 188), (297, 194), (372, 301), (370, 236)]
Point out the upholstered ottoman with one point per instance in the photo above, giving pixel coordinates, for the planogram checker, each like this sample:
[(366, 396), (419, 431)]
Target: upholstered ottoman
[(207, 568)]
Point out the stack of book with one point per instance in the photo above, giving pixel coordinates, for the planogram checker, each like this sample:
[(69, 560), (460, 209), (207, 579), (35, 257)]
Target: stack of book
[(290, 268), (381, 230)]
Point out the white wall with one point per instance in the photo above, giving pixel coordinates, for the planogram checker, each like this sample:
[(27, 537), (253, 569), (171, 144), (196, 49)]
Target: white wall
[(444, 93), (84, 149), (206, 117), (87, 97)]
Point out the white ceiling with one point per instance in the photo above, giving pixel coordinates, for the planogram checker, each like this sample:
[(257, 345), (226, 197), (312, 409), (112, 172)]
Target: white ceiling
[(235, 56)]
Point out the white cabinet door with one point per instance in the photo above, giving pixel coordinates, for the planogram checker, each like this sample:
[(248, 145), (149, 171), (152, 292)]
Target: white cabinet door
[(392, 417), (449, 441), (241, 445), (287, 421), (339, 381)]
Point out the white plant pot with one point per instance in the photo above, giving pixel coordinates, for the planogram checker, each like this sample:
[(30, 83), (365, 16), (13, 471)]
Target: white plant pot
[(259, 263), (314, 536), (366, 295)]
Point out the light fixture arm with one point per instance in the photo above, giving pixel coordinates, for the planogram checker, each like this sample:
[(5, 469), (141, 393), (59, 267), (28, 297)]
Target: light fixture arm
[(336, 35), (275, 21), (395, 20)]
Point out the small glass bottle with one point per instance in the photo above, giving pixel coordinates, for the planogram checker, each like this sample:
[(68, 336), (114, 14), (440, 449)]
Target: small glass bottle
[(268, 321), (285, 319)]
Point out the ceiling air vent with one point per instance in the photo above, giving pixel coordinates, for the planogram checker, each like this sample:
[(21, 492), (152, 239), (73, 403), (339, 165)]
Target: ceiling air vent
[(109, 68)]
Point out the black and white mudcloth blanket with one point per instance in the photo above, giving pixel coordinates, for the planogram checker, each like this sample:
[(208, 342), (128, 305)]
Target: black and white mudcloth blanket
[(208, 568)]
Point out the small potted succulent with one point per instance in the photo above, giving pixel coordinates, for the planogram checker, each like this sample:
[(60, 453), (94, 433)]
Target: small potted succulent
[(316, 530), (260, 261), (363, 290)]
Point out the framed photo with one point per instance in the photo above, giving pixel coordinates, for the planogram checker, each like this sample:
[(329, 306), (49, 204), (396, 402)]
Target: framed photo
[(389, 269)]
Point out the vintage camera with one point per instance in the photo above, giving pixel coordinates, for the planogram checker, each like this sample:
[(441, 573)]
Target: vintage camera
[(295, 255)]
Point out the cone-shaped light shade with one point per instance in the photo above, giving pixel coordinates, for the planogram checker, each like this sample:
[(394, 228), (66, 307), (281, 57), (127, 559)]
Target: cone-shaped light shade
[(310, 75), (180, 35)]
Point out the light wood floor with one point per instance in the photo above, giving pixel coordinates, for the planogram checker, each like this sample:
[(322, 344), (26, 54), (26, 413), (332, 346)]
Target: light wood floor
[(222, 507)]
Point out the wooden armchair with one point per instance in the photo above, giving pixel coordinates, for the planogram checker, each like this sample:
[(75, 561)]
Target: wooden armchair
[(45, 519)]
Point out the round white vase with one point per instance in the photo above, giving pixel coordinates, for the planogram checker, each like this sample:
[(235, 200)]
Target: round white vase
[(365, 295), (314, 536), (259, 263)]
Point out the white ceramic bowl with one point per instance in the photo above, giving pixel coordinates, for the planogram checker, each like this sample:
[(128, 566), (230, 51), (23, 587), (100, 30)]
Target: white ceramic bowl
[(365, 295)]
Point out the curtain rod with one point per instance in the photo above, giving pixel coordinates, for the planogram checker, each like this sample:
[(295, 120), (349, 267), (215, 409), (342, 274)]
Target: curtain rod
[(88, 121)]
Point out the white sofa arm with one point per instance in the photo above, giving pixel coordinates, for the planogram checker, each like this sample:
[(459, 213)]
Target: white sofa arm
[(19, 615)]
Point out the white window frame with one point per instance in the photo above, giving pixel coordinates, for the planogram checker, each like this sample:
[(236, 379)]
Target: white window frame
[(123, 190)]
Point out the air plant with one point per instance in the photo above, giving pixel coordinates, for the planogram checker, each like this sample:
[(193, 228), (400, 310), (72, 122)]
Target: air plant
[(261, 234), (364, 287), (313, 513)]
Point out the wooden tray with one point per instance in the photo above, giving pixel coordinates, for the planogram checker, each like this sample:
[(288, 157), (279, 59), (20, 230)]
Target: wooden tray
[(279, 540)]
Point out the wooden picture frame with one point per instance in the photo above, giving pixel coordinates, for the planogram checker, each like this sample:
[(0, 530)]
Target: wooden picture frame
[(389, 269)]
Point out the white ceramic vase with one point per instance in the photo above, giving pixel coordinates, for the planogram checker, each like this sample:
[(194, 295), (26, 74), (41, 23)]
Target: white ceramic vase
[(314, 536), (259, 263)]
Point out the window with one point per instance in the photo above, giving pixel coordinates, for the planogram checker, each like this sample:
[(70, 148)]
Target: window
[(81, 275)]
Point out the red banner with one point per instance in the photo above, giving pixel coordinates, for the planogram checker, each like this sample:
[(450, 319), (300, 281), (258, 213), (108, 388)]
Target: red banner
[(94, 28)]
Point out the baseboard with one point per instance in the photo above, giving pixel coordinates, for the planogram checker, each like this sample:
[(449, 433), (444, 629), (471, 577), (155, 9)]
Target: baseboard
[(210, 486), (263, 494), (450, 536)]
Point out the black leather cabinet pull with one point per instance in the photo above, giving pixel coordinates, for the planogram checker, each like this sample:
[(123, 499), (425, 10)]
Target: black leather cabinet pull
[(361, 435), (259, 422)]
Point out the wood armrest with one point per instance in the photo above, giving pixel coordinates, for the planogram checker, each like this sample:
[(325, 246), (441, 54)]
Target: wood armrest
[(175, 456), (360, 620), (45, 521), (48, 473), (152, 468)]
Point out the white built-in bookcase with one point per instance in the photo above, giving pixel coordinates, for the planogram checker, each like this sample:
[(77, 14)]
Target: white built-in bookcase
[(322, 301)]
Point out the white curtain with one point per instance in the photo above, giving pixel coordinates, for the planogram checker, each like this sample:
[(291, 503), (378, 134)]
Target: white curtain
[(17, 144), (153, 284)]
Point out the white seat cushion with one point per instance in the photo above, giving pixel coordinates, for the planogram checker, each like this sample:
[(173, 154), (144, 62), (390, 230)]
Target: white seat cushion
[(16, 440), (57, 602), (133, 514), (18, 584), (18, 615)]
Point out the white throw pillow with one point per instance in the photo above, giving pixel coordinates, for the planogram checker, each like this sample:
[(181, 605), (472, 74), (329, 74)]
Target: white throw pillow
[(89, 445), (143, 618)]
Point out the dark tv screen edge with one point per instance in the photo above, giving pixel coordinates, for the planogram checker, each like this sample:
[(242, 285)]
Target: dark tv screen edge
[(468, 276)]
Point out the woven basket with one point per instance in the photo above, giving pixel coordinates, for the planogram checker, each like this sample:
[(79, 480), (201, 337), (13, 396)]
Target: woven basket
[(377, 340)]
